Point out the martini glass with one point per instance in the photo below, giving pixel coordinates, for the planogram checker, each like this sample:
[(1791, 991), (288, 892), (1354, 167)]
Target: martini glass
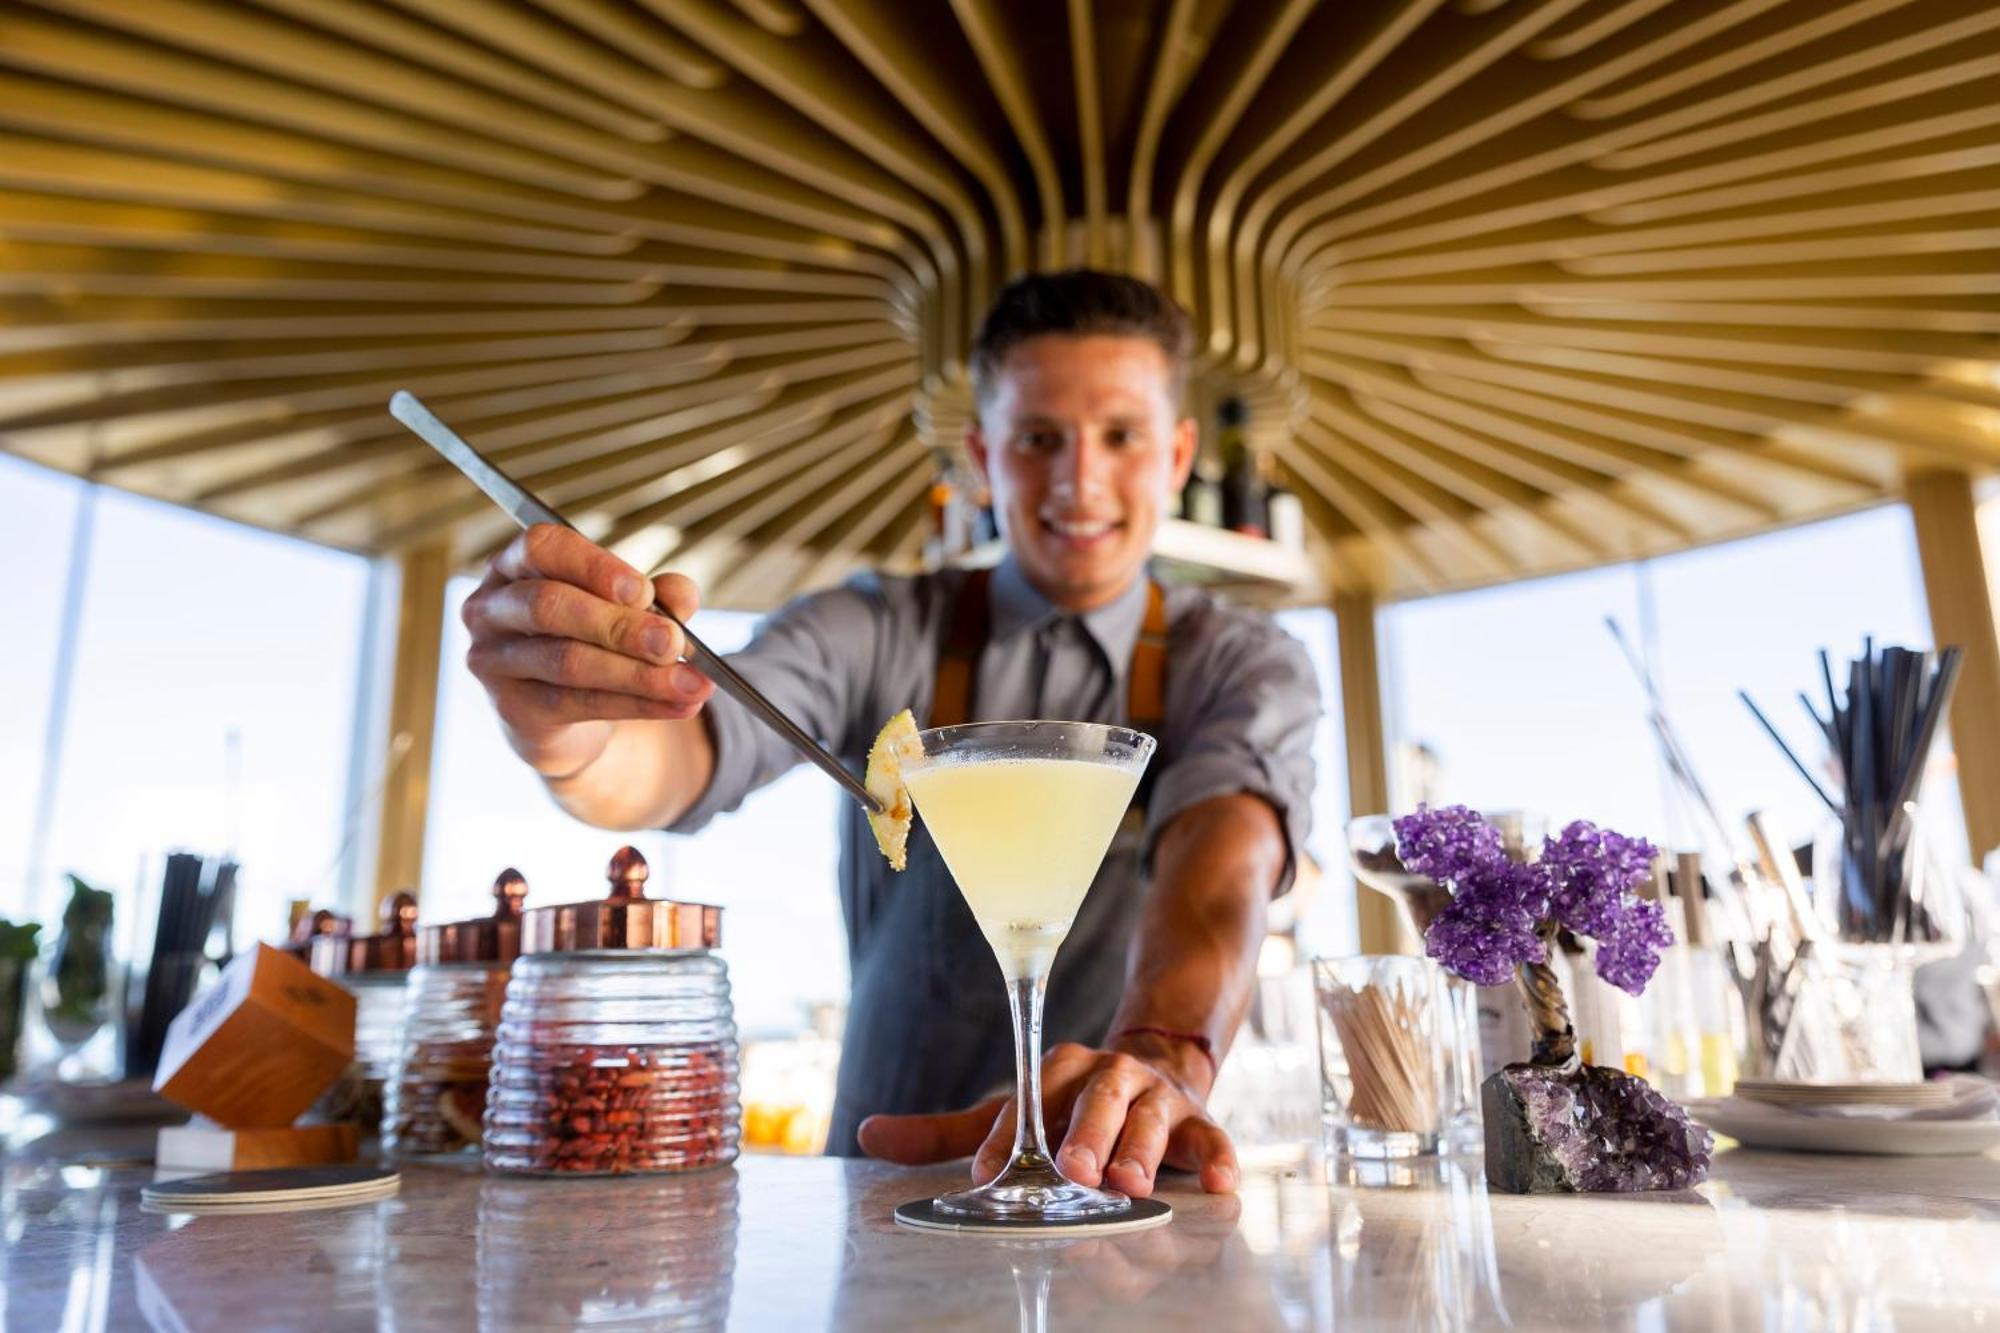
[(1023, 813)]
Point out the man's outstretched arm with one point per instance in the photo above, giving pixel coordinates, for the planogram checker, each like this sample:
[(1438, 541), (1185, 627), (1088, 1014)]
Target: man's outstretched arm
[(1141, 1101)]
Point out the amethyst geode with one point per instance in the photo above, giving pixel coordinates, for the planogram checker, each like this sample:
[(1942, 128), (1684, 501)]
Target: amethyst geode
[(1587, 1128), (1556, 1124)]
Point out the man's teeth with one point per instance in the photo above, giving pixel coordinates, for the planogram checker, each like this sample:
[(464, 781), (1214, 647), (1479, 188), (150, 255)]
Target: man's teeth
[(1079, 528)]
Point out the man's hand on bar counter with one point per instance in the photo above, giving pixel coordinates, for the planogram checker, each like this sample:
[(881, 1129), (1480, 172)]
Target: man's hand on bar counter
[(1118, 1108)]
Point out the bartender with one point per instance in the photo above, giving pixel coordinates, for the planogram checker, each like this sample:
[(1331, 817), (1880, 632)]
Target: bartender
[(1077, 379)]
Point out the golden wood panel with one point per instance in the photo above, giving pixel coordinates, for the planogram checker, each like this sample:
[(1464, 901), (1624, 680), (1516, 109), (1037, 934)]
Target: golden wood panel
[(1511, 287)]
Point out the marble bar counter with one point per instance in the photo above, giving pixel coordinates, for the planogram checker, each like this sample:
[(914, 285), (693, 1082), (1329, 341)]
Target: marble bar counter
[(1771, 1242)]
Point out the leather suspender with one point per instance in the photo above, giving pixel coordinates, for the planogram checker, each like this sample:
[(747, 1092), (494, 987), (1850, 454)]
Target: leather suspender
[(1146, 677), (971, 619), (958, 663)]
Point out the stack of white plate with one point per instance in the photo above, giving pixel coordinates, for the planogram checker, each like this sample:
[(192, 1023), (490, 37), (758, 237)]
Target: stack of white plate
[(1805, 1096), (1938, 1119)]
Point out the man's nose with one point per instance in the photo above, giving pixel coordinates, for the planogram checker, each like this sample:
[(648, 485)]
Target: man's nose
[(1081, 470)]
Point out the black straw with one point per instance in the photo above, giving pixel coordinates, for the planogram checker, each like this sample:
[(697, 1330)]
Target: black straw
[(1804, 772)]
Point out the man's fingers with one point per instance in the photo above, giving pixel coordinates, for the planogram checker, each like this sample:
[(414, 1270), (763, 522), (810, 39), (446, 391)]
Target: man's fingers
[(547, 551), (916, 1140), (529, 704), (678, 594), (991, 1158), (552, 608), (1198, 1144), (574, 665), (1110, 1269), (1095, 1119), (1148, 1123)]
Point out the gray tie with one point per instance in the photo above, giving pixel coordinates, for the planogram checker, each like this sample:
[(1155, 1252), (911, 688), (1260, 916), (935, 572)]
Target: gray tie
[(1067, 684)]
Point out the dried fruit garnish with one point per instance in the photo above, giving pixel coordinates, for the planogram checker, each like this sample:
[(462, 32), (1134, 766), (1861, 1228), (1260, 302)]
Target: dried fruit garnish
[(895, 744)]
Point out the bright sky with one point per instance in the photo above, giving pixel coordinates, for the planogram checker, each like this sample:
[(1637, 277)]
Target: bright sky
[(1525, 695), (193, 629)]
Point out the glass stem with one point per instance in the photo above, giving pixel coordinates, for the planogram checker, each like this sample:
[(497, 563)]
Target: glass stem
[(1024, 998)]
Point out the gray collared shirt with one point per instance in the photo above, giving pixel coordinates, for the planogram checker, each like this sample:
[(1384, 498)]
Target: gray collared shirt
[(927, 1026)]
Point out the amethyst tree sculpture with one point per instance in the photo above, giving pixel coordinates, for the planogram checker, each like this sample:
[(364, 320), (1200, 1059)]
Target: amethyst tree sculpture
[(1556, 1123)]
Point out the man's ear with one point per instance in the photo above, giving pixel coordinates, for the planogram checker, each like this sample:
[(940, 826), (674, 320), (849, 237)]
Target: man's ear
[(1187, 438), (976, 451)]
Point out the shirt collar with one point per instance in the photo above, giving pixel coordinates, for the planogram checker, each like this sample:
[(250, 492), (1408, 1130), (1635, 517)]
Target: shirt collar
[(1016, 605)]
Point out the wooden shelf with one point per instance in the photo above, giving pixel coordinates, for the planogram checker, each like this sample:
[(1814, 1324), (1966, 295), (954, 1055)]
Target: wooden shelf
[(1249, 569)]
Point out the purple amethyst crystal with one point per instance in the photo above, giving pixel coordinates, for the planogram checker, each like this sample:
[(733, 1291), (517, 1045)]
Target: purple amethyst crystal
[(1550, 1130), (1590, 874)]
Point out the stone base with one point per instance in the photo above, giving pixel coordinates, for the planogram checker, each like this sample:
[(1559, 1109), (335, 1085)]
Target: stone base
[(1587, 1129)]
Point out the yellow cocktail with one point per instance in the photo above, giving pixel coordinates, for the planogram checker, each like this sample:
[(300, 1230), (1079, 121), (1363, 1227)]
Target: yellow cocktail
[(1022, 813), (1023, 838)]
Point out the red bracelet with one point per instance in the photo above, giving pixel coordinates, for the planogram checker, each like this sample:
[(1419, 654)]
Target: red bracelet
[(1195, 1039)]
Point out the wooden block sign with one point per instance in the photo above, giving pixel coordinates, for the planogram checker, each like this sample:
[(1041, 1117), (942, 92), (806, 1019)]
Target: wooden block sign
[(205, 1147), (258, 1049)]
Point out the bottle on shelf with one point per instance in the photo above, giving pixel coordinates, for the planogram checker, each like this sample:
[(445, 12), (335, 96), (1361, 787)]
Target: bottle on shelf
[(1243, 508), (1285, 515), (1713, 991), (1201, 498), (1673, 1036), (937, 510)]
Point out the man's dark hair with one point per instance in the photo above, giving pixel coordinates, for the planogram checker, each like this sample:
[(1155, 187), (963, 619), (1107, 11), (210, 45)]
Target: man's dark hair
[(1079, 302)]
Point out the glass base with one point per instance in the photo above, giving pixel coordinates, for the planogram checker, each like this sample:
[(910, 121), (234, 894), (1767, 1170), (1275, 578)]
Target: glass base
[(1380, 1144), (1464, 1132), (1031, 1189)]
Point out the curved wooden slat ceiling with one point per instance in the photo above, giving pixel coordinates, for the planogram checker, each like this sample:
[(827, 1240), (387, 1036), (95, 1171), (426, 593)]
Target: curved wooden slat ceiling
[(1513, 285)]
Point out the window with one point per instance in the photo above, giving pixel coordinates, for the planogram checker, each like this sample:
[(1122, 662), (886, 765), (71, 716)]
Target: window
[(1328, 927), (1527, 701), (1523, 697), (1753, 615), (211, 708), (38, 512)]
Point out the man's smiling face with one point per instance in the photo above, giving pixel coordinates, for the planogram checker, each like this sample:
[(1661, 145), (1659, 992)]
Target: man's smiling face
[(1079, 441)]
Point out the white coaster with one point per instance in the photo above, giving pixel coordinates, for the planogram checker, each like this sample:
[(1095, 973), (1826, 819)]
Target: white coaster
[(922, 1214)]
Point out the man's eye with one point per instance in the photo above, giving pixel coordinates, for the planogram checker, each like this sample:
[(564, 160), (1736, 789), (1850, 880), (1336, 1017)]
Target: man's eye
[(1042, 439), (1121, 435)]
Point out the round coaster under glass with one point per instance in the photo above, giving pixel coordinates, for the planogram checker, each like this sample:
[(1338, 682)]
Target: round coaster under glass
[(924, 1215), (277, 1190)]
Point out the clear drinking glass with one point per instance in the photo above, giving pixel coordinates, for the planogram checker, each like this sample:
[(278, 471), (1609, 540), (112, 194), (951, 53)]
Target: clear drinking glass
[(1384, 1076), (1022, 813), (1464, 1067)]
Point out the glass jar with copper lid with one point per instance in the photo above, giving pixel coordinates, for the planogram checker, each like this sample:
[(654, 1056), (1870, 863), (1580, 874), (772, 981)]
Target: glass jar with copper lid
[(617, 1046), (376, 970), (437, 1086)]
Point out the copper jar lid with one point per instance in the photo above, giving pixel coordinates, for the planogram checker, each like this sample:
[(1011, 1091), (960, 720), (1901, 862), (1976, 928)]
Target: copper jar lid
[(484, 939), (394, 950), (313, 926), (628, 919)]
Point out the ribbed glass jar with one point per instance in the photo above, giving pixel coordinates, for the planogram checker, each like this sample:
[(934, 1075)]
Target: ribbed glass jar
[(378, 1025), (436, 1095), (613, 1061)]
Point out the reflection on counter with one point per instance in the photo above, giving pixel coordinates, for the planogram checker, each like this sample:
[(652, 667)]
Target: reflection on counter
[(676, 1273), (1775, 1241), (1778, 1243), (1139, 1280)]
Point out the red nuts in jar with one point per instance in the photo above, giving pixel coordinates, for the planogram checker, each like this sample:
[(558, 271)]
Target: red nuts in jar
[(612, 1109)]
